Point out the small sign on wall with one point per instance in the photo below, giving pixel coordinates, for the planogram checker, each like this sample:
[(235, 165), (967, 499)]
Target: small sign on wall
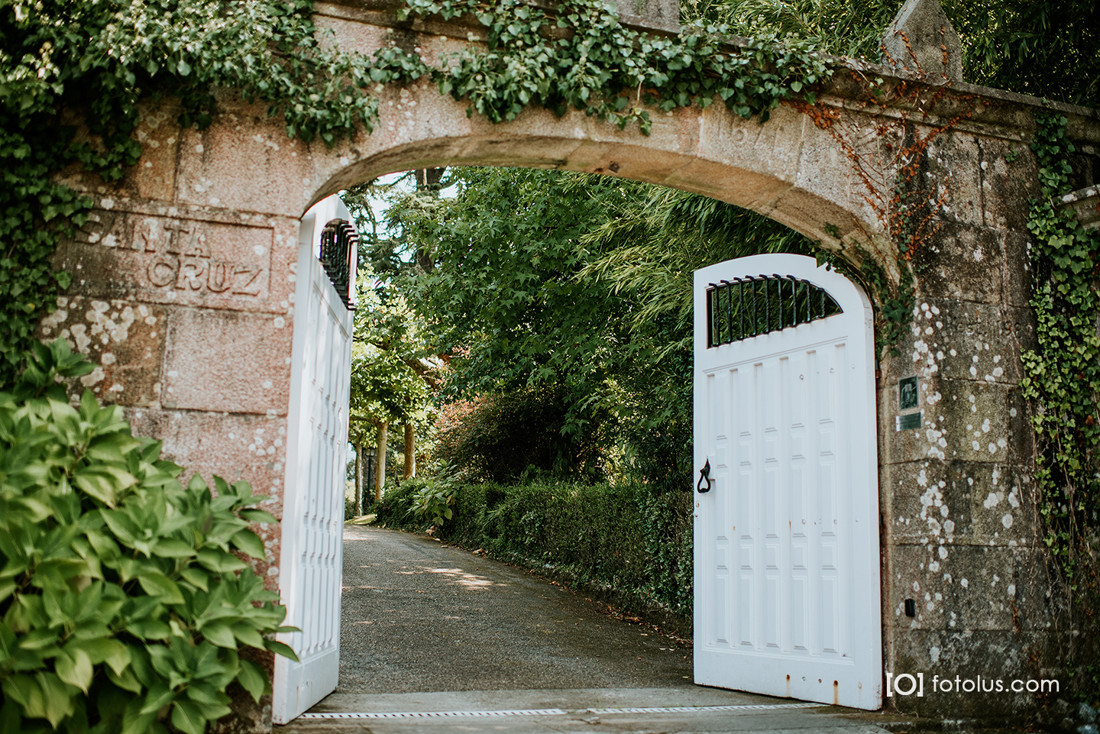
[(909, 413)]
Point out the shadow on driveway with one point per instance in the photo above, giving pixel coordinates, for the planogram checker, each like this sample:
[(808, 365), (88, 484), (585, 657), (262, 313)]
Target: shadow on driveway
[(422, 616), (438, 639)]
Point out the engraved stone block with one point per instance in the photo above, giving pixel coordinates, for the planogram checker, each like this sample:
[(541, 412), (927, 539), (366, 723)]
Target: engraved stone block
[(181, 260)]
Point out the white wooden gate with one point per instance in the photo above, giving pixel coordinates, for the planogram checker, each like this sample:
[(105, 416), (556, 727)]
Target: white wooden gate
[(787, 577), (310, 566)]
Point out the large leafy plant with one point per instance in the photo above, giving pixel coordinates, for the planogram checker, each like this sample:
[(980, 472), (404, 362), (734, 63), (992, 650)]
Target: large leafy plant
[(125, 599)]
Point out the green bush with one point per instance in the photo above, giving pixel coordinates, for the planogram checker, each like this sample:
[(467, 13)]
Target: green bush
[(514, 435), (433, 503), (395, 509), (124, 599)]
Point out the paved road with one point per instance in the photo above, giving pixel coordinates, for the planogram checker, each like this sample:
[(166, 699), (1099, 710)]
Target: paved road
[(437, 639), (422, 616)]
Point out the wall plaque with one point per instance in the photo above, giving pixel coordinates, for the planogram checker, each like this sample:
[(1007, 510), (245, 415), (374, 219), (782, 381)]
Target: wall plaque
[(176, 259), (910, 415)]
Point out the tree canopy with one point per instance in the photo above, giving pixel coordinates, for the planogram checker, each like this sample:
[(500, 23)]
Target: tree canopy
[(536, 279), (387, 382), (1046, 48), (573, 289)]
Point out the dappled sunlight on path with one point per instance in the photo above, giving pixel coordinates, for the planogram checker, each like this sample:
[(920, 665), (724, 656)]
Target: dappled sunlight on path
[(419, 615)]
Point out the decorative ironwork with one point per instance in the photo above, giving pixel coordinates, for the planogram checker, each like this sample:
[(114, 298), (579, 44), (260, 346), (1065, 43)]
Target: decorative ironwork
[(339, 256), (754, 305)]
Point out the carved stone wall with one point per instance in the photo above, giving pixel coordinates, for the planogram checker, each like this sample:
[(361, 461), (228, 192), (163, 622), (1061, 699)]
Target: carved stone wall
[(961, 530), (184, 283)]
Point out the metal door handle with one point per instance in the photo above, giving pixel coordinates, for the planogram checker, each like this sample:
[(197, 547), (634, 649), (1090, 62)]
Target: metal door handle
[(704, 475)]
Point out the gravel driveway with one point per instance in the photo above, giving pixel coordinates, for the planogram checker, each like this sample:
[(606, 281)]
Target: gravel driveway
[(419, 615)]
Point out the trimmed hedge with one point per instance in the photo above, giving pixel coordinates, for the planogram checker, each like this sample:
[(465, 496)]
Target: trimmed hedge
[(624, 540)]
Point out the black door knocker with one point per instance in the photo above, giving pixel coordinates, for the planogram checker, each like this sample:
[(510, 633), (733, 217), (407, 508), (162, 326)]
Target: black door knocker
[(704, 475)]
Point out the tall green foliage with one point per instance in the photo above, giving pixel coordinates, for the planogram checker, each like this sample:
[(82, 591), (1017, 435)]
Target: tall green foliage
[(124, 600), (849, 29), (387, 382), (504, 296), (1047, 48), (383, 248), (517, 434), (581, 283), (652, 239)]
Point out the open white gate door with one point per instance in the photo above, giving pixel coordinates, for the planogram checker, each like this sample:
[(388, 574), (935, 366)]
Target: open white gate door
[(786, 501), (311, 561)]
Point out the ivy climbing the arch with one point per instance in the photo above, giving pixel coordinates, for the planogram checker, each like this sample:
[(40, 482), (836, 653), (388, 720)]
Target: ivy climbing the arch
[(581, 57), (73, 76)]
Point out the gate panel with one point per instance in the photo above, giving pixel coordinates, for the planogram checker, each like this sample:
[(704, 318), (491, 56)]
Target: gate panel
[(786, 552), (313, 510)]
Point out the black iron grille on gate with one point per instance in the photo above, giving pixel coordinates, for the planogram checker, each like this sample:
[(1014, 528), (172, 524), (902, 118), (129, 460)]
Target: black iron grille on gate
[(339, 251), (754, 305)]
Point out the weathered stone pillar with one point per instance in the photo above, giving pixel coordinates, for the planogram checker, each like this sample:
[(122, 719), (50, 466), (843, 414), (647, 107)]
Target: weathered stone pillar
[(963, 568), (183, 291), (186, 302)]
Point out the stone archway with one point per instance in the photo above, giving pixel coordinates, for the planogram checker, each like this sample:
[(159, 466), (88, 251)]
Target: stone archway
[(184, 279)]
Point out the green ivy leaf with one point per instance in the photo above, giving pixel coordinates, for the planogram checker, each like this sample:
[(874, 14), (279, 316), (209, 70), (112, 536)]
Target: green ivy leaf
[(75, 668)]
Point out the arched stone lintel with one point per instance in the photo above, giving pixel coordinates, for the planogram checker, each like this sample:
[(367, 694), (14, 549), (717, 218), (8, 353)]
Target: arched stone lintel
[(785, 168)]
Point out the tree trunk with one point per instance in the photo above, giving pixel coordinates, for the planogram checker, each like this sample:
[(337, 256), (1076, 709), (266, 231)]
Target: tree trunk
[(427, 181), (359, 478), (380, 461), (410, 451)]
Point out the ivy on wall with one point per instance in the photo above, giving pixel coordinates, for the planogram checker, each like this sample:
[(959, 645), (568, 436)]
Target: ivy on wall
[(1062, 379), (73, 76), (580, 57)]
